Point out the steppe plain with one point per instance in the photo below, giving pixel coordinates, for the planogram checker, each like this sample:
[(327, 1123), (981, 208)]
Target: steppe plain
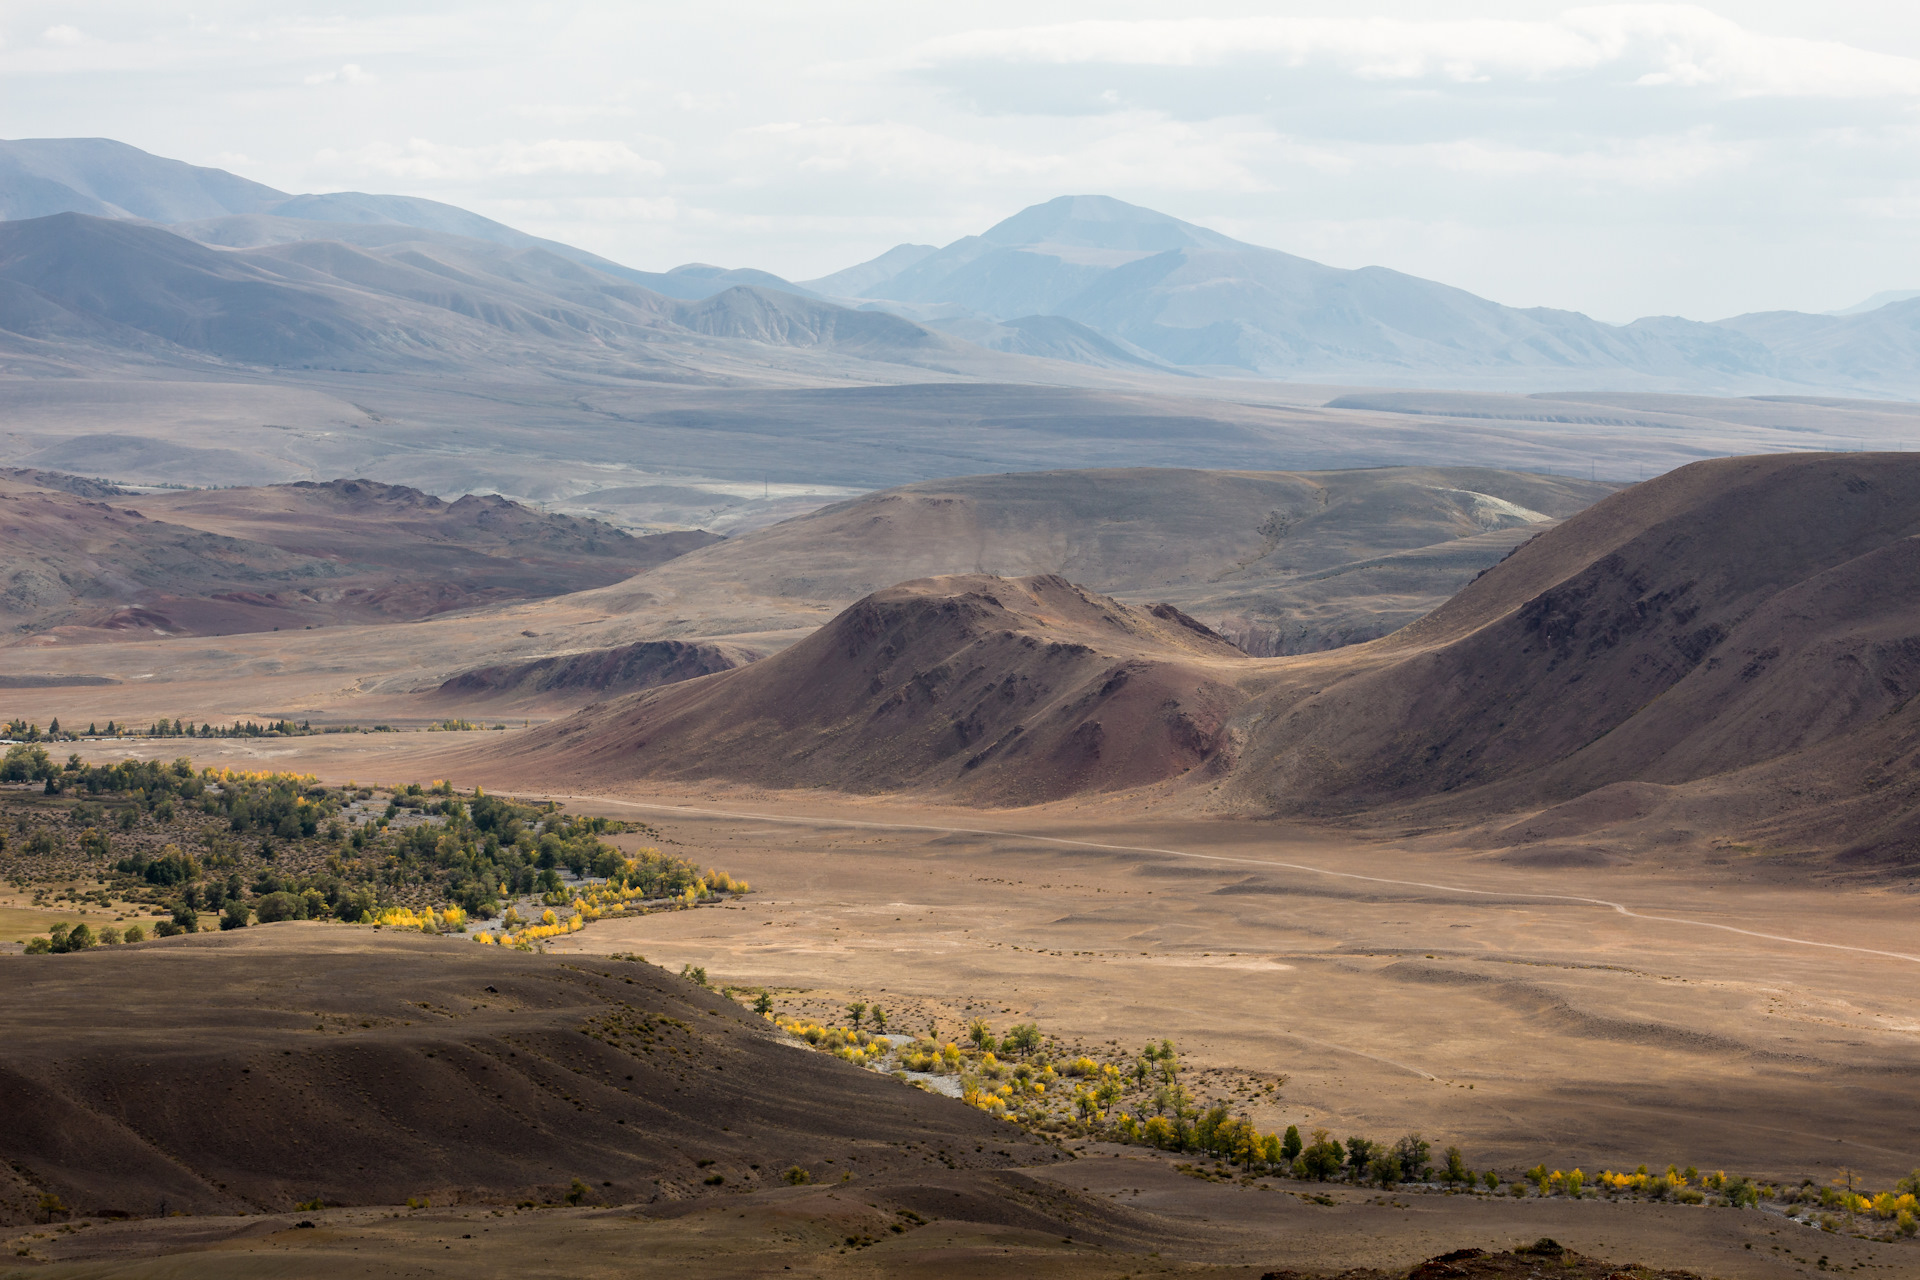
[(1707, 1015)]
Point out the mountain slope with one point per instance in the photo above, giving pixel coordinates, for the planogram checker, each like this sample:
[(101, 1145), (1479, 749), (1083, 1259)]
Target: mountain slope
[(1709, 632), (286, 556), (1728, 653), (107, 179), (1282, 561), (994, 690), (120, 288), (1194, 297), (233, 1102)]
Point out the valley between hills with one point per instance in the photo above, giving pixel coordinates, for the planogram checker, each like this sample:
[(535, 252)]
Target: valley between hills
[(1595, 919), (517, 765)]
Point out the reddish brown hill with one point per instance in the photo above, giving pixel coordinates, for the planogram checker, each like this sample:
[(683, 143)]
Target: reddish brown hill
[(1000, 690), (1737, 613), (627, 668), (216, 562), (1729, 651)]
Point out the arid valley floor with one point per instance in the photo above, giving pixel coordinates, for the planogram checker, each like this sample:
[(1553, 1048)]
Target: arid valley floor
[(1644, 1012)]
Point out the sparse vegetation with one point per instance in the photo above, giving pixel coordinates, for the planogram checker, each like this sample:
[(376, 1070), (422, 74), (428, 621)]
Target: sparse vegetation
[(168, 840)]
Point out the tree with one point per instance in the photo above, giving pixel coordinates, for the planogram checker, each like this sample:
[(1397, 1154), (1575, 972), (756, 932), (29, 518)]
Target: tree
[(1290, 1144), (764, 1004), (1386, 1168), (1456, 1170), (277, 906), (1359, 1156), (1415, 1161), (879, 1017), (856, 1011), (236, 915), (1021, 1037), (80, 938), (980, 1033), (1322, 1157)]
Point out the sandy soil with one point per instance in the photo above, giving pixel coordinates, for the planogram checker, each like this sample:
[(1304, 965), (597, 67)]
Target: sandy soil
[(1722, 1019), (1109, 1213)]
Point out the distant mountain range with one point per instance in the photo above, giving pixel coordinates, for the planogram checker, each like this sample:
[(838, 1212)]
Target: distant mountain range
[(1196, 299), (1087, 280)]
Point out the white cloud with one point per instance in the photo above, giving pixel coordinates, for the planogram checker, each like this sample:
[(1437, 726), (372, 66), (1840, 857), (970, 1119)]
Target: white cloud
[(349, 73), (1648, 45), (63, 34), (1128, 150), (431, 161)]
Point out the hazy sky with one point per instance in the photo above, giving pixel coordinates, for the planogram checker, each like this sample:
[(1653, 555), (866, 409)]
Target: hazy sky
[(1621, 159)]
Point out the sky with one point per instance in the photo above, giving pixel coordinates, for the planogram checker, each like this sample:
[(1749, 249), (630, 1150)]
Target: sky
[(1621, 160)]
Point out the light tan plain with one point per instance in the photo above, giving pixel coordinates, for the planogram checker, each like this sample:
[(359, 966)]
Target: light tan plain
[(1731, 1023)]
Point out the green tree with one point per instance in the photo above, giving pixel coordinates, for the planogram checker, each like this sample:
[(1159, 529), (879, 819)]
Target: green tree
[(1415, 1160), (856, 1011), (1290, 1144), (1456, 1170), (80, 938), (1322, 1157), (879, 1017), (278, 906), (980, 1033), (235, 915), (764, 1004)]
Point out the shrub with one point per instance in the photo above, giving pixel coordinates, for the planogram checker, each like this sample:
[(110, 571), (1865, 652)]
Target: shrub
[(39, 947), (796, 1176), (577, 1192), (134, 933), (235, 916), (275, 907)]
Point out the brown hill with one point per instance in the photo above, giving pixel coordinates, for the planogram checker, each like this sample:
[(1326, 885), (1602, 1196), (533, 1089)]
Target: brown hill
[(1732, 612), (991, 689), (215, 562), (1730, 651), (626, 668), (320, 1062), (1283, 562)]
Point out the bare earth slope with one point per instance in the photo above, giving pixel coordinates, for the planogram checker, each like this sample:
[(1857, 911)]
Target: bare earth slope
[(1281, 561), (994, 689), (358, 1068), (593, 673), (1736, 643), (304, 554)]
